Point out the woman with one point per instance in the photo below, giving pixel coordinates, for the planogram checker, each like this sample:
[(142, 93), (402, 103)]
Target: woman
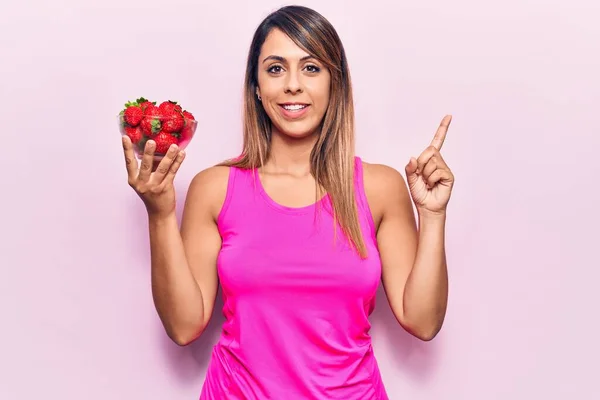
[(297, 230)]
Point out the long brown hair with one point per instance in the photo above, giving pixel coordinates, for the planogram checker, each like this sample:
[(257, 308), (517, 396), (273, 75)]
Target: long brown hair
[(332, 158)]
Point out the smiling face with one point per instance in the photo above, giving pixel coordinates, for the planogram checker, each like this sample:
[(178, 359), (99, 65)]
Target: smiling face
[(294, 87)]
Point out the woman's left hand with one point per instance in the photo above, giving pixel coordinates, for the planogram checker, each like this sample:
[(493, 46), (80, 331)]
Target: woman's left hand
[(429, 179)]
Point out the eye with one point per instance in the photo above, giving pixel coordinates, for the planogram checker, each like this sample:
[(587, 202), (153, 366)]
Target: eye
[(313, 68), (274, 69)]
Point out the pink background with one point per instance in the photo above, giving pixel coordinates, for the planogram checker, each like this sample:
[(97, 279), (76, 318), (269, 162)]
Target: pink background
[(520, 78)]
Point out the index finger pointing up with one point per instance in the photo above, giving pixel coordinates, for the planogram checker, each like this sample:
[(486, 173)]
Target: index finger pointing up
[(440, 134)]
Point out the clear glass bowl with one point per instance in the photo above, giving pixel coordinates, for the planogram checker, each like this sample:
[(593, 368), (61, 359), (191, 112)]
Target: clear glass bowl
[(162, 131)]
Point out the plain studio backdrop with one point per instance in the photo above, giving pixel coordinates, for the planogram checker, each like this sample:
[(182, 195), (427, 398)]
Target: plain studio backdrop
[(519, 77)]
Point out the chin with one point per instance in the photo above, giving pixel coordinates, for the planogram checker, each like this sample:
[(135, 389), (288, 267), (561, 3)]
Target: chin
[(297, 132)]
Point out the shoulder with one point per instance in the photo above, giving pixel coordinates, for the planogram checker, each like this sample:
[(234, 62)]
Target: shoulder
[(208, 189), (211, 178), (382, 179), (385, 187), (381, 174)]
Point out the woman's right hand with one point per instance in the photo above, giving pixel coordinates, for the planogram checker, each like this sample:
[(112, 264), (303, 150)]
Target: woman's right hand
[(153, 183)]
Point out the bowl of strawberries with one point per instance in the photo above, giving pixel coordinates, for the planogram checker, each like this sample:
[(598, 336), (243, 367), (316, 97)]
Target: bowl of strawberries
[(166, 123)]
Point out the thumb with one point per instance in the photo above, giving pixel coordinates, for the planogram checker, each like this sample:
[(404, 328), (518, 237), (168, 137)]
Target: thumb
[(411, 170)]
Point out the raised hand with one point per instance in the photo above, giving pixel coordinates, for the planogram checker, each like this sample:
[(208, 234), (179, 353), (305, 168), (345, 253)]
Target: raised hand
[(153, 183), (429, 178)]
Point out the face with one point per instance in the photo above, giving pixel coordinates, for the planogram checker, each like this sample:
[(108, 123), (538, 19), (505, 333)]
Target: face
[(294, 87)]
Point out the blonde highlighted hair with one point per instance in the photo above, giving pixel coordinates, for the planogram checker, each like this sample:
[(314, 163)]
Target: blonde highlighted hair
[(332, 158)]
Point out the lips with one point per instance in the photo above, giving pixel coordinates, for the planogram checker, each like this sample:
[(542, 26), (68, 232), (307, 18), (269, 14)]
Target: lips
[(293, 111), (293, 106)]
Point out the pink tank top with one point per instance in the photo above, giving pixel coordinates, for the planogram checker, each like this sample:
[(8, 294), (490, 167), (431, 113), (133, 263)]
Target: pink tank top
[(296, 302)]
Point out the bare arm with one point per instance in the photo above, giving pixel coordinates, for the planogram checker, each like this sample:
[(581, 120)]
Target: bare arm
[(414, 263), (183, 262), (184, 276)]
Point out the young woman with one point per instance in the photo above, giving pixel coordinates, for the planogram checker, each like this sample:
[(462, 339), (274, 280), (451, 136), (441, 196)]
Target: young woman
[(297, 230)]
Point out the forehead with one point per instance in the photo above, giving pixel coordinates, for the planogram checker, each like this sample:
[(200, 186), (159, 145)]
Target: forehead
[(279, 44)]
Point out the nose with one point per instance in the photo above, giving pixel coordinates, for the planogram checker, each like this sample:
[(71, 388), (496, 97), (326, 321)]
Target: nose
[(293, 83)]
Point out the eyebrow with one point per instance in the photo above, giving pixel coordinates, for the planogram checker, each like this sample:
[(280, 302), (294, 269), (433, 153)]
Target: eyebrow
[(282, 59)]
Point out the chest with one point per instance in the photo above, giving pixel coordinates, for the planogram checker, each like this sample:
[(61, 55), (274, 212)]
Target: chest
[(299, 254), (287, 190)]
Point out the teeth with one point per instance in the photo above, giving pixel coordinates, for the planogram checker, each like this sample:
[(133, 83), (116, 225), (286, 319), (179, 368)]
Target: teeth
[(294, 107)]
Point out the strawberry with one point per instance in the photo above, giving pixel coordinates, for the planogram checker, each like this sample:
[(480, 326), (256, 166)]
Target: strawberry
[(166, 123), (166, 108), (164, 140), (144, 103), (133, 115), (186, 132), (172, 120), (134, 133), (151, 122)]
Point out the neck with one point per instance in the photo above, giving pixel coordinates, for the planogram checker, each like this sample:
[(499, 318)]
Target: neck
[(290, 155)]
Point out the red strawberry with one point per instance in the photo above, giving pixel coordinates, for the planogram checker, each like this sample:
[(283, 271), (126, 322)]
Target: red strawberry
[(172, 120), (187, 131), (133, 115), (134, 133), (151, 122), (164, 140), (145, 103), (166, 108)]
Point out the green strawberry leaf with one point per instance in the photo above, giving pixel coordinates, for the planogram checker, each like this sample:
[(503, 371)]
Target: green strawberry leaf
[(156, 126)]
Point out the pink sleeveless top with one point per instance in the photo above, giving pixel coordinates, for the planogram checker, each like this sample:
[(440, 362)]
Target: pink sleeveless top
[(296, 301)]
